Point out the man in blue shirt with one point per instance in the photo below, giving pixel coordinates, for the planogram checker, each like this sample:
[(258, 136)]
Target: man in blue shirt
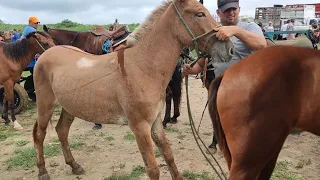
[(32, 26), (15, 36)]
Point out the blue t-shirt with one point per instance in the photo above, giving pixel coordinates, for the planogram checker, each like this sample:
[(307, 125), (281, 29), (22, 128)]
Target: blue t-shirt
[(15, 37), (27, 30)]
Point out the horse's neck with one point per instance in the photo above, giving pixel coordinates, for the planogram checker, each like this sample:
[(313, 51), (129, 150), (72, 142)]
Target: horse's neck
[(159, 51), (80, 40), (33, 49)]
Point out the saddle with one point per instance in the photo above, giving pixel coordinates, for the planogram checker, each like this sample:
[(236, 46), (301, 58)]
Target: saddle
[(98, 36)]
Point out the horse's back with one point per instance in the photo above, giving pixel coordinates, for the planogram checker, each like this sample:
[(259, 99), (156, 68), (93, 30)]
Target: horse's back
[(273, 82)]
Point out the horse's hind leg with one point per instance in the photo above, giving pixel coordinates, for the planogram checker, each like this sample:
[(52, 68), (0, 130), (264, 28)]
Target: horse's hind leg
[(266, 173), (213, 146), (62, 129), (167, 116), (160, 140), (176, 96), (45, 109), (5, 110)]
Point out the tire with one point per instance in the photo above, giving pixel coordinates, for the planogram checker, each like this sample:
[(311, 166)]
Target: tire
[(21, 98)]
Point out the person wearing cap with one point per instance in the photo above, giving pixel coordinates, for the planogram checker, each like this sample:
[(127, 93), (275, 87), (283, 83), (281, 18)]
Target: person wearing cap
[(246, 37), (31, 27)]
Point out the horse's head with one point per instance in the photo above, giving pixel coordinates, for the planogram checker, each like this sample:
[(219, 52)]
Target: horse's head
[(195, 27), (41, 40)]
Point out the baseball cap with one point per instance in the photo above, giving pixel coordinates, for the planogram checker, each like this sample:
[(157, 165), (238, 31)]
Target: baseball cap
[(223, 5), (33, 19)]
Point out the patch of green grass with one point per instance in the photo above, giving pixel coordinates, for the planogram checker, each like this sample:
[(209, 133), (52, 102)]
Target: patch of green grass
[(3, 127), (6, 135), (282, 171), (197, 176), (108, 138), (21, 143), (77, 145), (134, 175), (129, 137), (171, 129), (157, 153), (26, 158)]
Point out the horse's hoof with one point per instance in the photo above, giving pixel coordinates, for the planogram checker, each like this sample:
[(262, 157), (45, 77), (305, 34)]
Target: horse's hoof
[(17, 126), (78, 171), (173, 121), (211, 150), (44, 177)]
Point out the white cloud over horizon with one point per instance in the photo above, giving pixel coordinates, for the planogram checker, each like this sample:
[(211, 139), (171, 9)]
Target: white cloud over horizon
[(105, 11)]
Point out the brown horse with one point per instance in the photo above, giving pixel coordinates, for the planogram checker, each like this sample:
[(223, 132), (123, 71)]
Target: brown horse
[(258, 101), (79, 40), (14, 58), (124, 86)]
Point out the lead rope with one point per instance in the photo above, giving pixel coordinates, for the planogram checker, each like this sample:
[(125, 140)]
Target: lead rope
[(40, 45)]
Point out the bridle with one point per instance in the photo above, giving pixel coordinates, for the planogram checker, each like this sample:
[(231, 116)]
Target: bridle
[(194, 38)]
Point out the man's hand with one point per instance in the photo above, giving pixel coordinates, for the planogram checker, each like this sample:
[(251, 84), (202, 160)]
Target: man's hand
[(226, 32), (186, 70)]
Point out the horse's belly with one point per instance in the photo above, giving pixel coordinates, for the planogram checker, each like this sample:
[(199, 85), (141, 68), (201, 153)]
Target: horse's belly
[(95, 102)]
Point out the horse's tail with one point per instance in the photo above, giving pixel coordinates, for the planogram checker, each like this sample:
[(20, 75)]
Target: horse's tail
[(213, 111)]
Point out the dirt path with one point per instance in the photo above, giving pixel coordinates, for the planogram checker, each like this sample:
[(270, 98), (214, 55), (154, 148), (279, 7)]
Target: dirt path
[(113, 150)]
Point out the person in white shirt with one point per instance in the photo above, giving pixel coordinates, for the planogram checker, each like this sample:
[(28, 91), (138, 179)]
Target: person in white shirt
[(284, 28)]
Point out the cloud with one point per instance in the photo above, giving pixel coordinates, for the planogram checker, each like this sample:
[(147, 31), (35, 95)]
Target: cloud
[(103, 11)]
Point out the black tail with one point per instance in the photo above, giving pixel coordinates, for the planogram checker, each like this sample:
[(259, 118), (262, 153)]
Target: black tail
[(218, 130)]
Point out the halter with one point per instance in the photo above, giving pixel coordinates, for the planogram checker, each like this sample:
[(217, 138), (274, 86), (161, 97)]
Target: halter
[(40, 45), (194, 38)]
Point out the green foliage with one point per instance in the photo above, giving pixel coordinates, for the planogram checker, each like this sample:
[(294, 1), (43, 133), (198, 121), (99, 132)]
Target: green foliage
[(134, 175), (197, 176)]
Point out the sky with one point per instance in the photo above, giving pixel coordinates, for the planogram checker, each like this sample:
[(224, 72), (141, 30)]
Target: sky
[(105, 11)]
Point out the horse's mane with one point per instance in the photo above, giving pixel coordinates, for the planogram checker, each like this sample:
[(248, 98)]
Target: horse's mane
[(145, 27), (19, 49)]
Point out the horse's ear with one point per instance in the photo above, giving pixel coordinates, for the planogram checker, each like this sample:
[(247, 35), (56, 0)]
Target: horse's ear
[(201, 1), (32, 34), (45, 28)]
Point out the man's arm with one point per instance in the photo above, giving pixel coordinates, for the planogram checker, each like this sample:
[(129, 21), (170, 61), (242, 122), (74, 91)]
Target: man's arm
[(252, 37), (252, 40)]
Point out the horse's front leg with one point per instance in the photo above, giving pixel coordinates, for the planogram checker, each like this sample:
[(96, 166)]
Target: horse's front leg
[(142, 132), (10, 97)]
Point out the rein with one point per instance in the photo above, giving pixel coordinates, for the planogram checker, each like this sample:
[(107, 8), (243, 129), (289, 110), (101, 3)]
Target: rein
[(193, 128), (40, 45)]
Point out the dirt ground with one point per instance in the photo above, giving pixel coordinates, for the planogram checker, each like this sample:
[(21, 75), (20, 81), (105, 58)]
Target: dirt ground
[(113, 150)]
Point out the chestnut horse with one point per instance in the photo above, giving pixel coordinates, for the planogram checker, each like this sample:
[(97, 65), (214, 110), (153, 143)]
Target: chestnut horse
[(14, 58), (258, 101), (174, 89), (127, 86)]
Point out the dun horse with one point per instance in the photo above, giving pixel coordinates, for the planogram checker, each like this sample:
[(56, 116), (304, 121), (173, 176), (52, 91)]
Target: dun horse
[(124, 86), (14, 58), (79, 40), (258, 101)]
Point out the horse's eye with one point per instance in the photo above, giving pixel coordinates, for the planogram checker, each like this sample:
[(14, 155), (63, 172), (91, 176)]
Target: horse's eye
[(201, 14)]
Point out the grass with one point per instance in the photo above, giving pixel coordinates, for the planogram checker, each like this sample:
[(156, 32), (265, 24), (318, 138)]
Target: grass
[(26, 158), (21, 143), (157, 153), (282, 172), (129, 137), (6, 135), (197, 176), (108, 138), (134, 175), (171, 129)]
